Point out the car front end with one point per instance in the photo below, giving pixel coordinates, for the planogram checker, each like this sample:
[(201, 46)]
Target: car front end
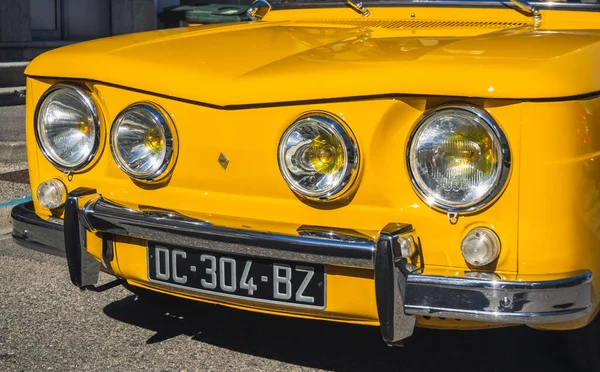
[(320, 165)]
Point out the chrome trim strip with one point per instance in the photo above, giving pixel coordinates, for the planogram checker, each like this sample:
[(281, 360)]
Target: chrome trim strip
[(172, 228), (332, 233), (500, 301)]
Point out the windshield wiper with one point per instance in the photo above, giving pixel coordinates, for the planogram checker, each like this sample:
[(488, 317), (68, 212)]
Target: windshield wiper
[(531, 10), (359, 7), (258, 10), (523, 5)]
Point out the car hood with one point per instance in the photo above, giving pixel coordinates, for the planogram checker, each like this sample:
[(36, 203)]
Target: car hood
[(288, 61)]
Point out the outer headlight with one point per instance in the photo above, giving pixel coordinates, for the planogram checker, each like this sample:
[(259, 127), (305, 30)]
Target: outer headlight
[(458, 158), (142, 140), (318, 157), (67, 127)]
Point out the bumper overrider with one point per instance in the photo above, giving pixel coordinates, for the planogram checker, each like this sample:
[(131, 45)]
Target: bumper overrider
[(402, 290)]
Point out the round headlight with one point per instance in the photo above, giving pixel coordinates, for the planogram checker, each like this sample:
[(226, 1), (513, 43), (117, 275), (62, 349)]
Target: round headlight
[(142, 142), (67, 127), (318, 157), (458, 158)]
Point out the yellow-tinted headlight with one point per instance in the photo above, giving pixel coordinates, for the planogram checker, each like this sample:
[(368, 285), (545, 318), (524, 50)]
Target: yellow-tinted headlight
[(143, 141), (318, 157), (326, 154), (154, 141), (458, 158)]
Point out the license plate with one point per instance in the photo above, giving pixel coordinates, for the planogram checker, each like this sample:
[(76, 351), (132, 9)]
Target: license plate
[(257, 279)]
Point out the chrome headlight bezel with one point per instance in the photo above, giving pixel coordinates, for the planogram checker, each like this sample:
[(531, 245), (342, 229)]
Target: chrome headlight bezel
[(503, 166), (338, 127), (161, 117), (87, 98)]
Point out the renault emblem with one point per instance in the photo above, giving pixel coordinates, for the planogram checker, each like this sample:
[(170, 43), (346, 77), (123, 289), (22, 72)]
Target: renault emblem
[(223, 160)]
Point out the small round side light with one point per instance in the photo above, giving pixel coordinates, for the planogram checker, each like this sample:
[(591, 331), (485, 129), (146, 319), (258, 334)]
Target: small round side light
[(480, 247), (52, 194)]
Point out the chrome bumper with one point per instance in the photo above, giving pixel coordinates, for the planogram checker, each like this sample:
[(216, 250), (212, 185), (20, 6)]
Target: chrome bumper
[(402, 290), (32, 232), (500, 301)]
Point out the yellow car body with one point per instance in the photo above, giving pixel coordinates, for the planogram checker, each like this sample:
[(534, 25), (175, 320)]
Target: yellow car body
[(234, 89)]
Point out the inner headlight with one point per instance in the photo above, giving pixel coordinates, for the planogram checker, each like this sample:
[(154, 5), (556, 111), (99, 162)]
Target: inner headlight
[(458, 158), (318, 157), (67, 127), (142, 142)]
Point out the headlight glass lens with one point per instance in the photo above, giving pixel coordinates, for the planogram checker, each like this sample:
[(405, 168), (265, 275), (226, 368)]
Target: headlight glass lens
[(142, 142), (458, 158), (480, 247), (52, 194), (317, 156), (67, 127)]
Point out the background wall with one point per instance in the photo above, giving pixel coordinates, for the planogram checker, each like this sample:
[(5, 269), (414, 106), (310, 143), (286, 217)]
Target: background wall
[(29, 27), (161, 4), (14, 17)]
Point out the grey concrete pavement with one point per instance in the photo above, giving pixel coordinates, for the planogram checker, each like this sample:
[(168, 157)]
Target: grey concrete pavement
[(12, 74), (10, 96), (47, 324), (14, 188), (12, 124), (12, 134)]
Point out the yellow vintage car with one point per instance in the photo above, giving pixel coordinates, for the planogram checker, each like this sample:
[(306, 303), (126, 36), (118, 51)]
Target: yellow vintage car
[(397, 164)]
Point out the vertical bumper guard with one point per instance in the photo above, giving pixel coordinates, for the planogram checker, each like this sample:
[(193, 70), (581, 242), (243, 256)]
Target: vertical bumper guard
[(390, 285), (83, 267)]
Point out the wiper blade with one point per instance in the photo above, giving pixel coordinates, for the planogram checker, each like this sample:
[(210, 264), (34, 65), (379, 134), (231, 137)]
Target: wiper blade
[(258, 10), (531, 10), (359, 7)]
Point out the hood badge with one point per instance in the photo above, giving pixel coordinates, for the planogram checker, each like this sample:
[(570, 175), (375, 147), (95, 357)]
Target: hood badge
[(223, 161)]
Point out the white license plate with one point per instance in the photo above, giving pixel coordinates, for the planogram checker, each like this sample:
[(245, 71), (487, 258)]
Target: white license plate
[(258, 279)]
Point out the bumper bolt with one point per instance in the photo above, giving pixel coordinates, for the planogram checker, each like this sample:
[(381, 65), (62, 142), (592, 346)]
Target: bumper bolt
[(505, 302)]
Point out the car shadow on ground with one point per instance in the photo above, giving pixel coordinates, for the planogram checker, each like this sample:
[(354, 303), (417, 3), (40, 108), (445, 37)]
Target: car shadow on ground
[(336, 346)]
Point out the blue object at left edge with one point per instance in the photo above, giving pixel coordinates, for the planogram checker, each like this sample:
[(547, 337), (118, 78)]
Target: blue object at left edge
[(14, 202)]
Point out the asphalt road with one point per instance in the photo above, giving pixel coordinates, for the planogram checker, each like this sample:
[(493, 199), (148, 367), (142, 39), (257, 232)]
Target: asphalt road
[(47, 324), (14, 187), (12, 123)]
